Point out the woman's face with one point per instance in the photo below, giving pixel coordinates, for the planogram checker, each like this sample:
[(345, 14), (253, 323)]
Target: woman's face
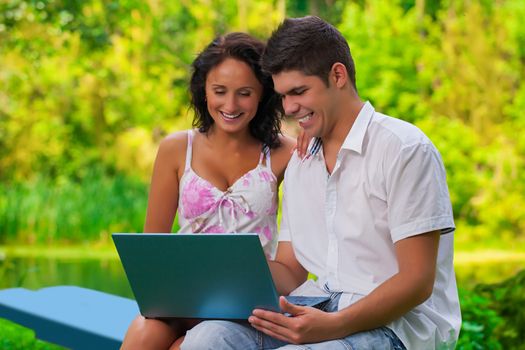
[(233, 94)]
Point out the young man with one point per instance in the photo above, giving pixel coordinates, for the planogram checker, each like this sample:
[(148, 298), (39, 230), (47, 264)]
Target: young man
[(367, 211)]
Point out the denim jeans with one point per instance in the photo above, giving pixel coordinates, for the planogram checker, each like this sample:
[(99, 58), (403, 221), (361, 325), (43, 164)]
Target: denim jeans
[(228, 335)]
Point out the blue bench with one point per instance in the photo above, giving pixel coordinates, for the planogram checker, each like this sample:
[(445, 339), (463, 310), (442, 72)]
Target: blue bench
[(74, 317)]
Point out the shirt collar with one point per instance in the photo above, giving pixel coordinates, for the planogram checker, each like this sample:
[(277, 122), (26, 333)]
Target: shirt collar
[(356, 135)]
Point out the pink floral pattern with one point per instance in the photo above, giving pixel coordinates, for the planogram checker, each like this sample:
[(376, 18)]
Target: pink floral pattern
[(197, 198), (273, 208), (264, 231), (266, 176)]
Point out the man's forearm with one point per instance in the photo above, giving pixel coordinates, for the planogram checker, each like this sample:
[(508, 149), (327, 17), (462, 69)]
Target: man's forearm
[(388, 302), (411, 286)]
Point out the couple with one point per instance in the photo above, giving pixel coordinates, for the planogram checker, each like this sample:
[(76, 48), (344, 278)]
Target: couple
[(366, 209)]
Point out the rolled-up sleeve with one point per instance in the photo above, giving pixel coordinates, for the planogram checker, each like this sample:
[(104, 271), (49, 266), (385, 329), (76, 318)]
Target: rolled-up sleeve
[(417, 193)]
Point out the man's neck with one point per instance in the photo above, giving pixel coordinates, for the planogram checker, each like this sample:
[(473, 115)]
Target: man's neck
[(347, 115), (334, 139)]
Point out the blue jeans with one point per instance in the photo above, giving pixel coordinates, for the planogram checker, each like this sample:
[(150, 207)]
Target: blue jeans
[(228, 335)]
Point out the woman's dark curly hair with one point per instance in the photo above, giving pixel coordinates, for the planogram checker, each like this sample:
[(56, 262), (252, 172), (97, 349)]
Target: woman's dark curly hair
[(266, 125)]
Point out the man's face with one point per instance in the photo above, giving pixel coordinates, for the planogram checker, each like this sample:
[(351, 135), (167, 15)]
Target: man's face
[(306, 99)]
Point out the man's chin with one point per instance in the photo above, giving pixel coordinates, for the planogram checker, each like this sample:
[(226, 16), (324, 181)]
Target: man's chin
[(310, 132)]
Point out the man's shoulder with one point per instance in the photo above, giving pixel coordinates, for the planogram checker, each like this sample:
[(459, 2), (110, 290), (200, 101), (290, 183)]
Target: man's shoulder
[(389, 131)]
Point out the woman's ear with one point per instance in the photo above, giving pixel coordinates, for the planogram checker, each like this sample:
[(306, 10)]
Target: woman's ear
[(338, 75)]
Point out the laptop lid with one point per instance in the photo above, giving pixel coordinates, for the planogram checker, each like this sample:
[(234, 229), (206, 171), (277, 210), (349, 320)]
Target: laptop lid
[(219, 276)]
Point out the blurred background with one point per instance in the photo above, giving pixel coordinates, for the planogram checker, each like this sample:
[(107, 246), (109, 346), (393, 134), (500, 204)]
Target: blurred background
[(88, 88)]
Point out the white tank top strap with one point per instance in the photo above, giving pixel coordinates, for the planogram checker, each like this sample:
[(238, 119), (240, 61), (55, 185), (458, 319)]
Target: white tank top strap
[(268, 158), (265, 154), (189, 150)]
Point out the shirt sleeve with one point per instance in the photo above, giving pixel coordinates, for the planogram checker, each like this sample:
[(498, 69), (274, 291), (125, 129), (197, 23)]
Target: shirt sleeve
[(417, 194)]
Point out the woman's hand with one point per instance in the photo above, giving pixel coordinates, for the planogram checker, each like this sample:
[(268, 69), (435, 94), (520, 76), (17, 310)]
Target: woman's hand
[(303, 141)]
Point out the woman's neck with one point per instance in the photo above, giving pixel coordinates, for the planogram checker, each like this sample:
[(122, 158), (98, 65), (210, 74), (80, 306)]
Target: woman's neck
[(225, 140)]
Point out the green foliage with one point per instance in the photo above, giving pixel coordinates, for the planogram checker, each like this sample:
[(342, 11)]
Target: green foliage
[(478, 324), (330, 10), (15, 337), (493, 315), (386, 44), (80, 74), (507, 299), (96, 84)]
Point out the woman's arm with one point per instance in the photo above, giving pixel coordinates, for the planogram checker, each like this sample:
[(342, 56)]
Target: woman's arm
[(287, 272), (164, 189)]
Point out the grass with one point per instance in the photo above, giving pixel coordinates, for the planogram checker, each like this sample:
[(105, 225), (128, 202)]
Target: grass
[(16, 337), (86, 251), (487, 256), (88, 210), (107, 251)]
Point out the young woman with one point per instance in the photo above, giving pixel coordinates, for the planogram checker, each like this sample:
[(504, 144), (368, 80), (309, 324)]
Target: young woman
[(224, 175)]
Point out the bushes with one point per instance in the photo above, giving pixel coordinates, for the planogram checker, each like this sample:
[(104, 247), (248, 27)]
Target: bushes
[(479, 322), (494, 315), (507, 299)]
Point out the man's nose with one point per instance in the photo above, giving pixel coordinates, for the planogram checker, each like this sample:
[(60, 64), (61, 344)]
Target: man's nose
[(290, 107)]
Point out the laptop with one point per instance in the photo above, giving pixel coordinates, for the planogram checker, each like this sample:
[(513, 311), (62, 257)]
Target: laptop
[(204, 276)]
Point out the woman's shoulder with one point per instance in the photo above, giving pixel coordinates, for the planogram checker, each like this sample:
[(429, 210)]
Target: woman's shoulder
[(175, 140), (174, 146)]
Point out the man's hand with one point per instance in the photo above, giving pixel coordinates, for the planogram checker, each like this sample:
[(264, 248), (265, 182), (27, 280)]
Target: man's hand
[(305, 325)]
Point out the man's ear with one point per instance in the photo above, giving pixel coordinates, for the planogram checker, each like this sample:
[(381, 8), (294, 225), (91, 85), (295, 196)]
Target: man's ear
[(338, 75)]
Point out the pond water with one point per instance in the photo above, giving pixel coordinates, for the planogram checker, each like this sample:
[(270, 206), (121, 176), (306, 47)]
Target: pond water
[(107, 274)]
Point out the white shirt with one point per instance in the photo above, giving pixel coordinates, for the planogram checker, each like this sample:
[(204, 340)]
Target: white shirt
[(388, 183)]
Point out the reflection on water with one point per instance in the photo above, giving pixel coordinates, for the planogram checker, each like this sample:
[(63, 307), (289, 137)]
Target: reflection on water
[(34, 273), (108, 276)]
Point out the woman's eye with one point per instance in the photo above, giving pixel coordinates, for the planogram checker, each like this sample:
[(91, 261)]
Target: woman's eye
[(245, 93)]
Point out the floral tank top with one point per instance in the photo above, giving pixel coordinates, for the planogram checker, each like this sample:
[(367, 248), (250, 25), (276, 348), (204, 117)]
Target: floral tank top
[(249, 205)]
